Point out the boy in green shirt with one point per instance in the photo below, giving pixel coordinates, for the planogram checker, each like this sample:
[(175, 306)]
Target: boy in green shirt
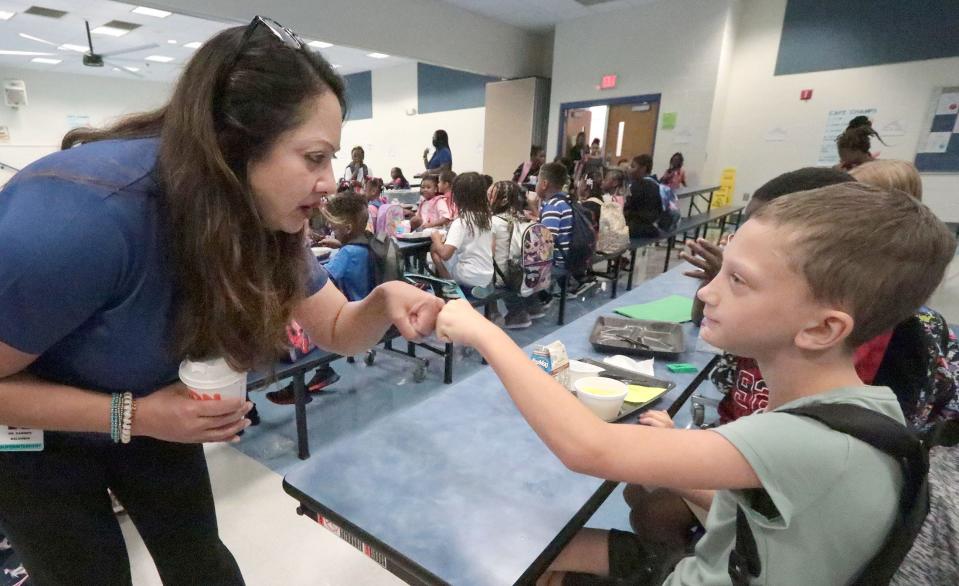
[(805, 280)]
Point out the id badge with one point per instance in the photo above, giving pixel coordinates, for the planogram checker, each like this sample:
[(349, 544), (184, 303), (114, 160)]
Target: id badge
[(20, 439)]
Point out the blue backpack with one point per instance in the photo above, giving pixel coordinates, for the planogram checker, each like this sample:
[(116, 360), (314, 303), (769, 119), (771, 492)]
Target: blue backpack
[(670, 214)]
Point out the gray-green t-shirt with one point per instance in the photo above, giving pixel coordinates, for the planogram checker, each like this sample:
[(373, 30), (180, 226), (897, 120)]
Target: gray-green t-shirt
[(836, 497)]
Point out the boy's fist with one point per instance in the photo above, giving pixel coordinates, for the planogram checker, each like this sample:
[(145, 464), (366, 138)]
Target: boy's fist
[(459, 323)]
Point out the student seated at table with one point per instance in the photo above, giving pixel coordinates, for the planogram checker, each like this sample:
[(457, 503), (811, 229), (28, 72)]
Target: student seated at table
[(674, 177), (351, 269), (555, 211), (356, 172), (891, 174), (397, 179), (672, 519), (803, 283), (444, 187), (530, 168), (614, 186), (508, 204), (465, 255), (434, 209), (643, 205)]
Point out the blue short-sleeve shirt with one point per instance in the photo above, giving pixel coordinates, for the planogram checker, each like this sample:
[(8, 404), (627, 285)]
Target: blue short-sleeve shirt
[(443, 156), (86, 278)]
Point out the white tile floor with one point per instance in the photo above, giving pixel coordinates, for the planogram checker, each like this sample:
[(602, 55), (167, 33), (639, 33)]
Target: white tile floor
[(272, 544)]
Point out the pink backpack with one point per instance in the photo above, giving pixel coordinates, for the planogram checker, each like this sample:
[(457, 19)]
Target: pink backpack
[(388, 219)]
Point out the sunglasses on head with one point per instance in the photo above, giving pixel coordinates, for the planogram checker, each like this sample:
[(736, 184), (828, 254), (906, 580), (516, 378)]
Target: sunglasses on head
[(282, 34)]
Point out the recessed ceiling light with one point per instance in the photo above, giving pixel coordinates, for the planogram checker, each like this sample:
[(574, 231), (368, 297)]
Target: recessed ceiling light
[(320, 44), (151, 12), (159, 58), (77, 48), (377, 55), (172, 42), (133, 69), (24, 53), (46, 60), (109, 31), (193, 45), (4, 15)]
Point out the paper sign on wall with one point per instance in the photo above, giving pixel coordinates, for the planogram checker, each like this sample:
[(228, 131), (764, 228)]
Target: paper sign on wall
[(836, 123), (669, 120), (4, 134)]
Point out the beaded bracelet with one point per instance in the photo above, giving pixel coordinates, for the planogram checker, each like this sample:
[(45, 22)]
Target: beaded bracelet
[(126, 426), (116, 416)]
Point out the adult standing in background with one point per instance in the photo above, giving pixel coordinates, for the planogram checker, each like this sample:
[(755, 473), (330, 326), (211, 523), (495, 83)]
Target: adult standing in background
[(576, 153), (442, 157), (357, 171), (530, 168), (180, 235)]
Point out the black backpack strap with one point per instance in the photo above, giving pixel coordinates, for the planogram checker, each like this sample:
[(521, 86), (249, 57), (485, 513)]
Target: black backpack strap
[(509, 242), (890, 437), (744, 562)]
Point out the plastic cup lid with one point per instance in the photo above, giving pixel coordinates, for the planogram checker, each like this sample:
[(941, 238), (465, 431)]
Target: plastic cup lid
[(214, 373)]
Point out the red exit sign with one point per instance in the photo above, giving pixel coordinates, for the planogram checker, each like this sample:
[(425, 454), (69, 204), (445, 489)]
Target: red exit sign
[(608, 82)]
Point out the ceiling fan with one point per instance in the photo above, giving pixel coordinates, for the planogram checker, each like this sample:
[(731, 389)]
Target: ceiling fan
[(90, 57)]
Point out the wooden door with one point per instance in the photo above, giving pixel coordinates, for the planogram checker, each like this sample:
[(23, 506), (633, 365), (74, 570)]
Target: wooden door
[(638, 123)]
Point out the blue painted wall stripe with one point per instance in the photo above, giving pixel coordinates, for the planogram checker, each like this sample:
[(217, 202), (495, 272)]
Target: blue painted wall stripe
[(440, 89), (359, 95)]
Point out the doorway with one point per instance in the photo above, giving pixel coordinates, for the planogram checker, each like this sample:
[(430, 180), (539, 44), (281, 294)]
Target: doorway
[(626, 126)]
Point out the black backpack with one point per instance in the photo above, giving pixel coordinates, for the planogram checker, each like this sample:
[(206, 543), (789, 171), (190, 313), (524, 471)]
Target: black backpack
[(387, 260), (582, 241), (911, 450)]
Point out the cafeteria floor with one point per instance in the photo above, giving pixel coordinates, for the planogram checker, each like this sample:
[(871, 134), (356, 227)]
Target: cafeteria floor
[(258, 522)]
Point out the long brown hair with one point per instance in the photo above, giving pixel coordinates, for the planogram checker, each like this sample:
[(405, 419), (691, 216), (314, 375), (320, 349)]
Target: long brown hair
[(237, 280)]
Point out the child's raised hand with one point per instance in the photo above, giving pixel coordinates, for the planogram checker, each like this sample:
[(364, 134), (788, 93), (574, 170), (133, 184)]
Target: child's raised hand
[(706, 256), (459, 323), (657, 419)]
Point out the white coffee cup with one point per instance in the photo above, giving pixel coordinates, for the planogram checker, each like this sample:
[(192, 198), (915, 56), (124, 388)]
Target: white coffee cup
[(603, 396), (212, 380)]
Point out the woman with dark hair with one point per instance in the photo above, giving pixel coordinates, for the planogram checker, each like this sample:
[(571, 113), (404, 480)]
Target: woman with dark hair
[(180, 235), (442, 157), (854, 144)]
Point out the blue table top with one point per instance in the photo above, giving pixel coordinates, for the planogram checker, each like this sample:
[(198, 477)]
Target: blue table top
[(459, 483)]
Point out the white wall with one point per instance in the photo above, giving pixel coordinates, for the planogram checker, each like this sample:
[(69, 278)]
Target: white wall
[(36, 129), (430, 31), (758, 102), (392, 138), (671, 48)]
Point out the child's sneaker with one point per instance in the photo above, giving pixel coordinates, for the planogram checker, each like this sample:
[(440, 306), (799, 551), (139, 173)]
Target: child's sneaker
[(583, 289), (537, 311), (322, 379), (517, 321)]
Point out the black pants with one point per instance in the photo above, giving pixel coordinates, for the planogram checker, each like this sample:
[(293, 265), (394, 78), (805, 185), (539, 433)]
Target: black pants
[(55, 510)]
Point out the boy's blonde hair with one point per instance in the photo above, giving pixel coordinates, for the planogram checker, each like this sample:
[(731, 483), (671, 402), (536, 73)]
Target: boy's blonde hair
[(891, 174), (874, 252)]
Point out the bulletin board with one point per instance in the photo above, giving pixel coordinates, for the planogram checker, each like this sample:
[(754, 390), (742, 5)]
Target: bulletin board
[(938, 149)]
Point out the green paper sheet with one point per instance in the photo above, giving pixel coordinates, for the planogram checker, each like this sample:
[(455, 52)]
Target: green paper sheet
[(675, 309)]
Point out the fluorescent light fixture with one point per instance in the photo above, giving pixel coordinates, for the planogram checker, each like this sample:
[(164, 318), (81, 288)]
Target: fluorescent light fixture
[(131, 69), (377, 55), (4, 15), (24, 53), (46, 60), (320, 45), (77, 48), (151, 12), (193, 45), (109, 31), (172, 42), (33, 38), (159, 58)]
